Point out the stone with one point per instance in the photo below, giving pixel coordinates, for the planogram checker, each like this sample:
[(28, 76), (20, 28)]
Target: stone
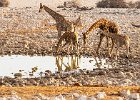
[(82, 97), (59, 97), (133, 96), (119, 98), (92, 98), (41, 97), (3, 98), (101, 95), (18, 75), (125, 93), (75, 95)]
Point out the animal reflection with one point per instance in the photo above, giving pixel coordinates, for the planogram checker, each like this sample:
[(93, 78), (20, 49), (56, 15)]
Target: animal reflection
[(73, 63)]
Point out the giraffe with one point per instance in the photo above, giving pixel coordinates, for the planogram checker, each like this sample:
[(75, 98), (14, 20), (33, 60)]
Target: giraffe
[(61, 23), (119, 40), (70, 37), (106, 26)]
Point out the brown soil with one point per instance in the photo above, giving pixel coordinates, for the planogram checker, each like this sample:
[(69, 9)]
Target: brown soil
[(27, 92)]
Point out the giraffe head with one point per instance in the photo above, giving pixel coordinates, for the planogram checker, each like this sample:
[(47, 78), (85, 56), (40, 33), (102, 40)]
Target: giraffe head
[(41, 7), (78, 22)]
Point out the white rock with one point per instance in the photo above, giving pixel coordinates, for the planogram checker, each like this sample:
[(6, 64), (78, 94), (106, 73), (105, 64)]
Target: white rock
[(133, 96), (59, 97), (41, 96), (108, 82), (125, 93), (82, 97), (127, 81), (36, 98), (101, 95), (121, 74), (92, 98), (76, 95), (119, 98), (3, 98), (13, 98)]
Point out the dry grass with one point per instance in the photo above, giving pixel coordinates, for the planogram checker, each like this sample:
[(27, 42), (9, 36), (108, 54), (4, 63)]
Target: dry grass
[(27, 92)]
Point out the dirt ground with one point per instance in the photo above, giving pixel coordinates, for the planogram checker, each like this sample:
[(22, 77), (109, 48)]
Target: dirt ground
[(27, 92)]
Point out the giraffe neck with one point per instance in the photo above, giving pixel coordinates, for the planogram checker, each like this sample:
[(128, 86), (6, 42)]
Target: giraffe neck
[(55, 15), (104, 25), (92, 27)]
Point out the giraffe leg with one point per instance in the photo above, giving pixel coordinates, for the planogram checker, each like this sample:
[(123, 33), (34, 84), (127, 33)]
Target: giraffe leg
[(110, 53), (128, 51), (76, 47), (117, 53), (59, 31), (101, 38), (107, 41)]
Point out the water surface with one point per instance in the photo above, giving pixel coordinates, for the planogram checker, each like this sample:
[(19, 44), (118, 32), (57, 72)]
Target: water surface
[(14, 63)]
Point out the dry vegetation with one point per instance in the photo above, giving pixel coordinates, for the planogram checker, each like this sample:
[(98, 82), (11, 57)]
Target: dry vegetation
[(4, 3), (117, 4)]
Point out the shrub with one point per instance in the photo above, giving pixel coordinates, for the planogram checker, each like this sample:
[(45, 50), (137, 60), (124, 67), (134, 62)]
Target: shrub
[(4, 3), (112, 4), (137, 4)]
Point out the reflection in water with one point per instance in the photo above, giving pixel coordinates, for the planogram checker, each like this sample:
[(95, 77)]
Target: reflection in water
[(37, 64), (71, 64)]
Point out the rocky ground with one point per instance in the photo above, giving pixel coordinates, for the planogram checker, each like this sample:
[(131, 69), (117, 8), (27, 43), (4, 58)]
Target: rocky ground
[(24, 31)]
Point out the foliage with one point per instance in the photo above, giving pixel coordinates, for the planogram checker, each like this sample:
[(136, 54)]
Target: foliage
[(112, 4), (137, 4)]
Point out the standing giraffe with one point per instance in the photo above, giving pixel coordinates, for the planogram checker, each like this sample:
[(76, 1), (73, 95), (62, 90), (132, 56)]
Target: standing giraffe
[(61, 23), (70, 37), (106, 26), (119, 40)]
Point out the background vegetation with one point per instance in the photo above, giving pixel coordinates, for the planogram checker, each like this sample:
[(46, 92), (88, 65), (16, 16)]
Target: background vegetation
[(4, 3), (117, 4)]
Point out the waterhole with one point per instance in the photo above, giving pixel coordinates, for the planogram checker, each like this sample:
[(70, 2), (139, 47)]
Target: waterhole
[(18, 63)]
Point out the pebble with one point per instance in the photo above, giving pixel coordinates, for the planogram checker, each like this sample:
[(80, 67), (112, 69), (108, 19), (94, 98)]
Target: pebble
[(133, 96), (100, 95), (119, 98), (125, 93), (82, 97), (92, 98), (59, 97)]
